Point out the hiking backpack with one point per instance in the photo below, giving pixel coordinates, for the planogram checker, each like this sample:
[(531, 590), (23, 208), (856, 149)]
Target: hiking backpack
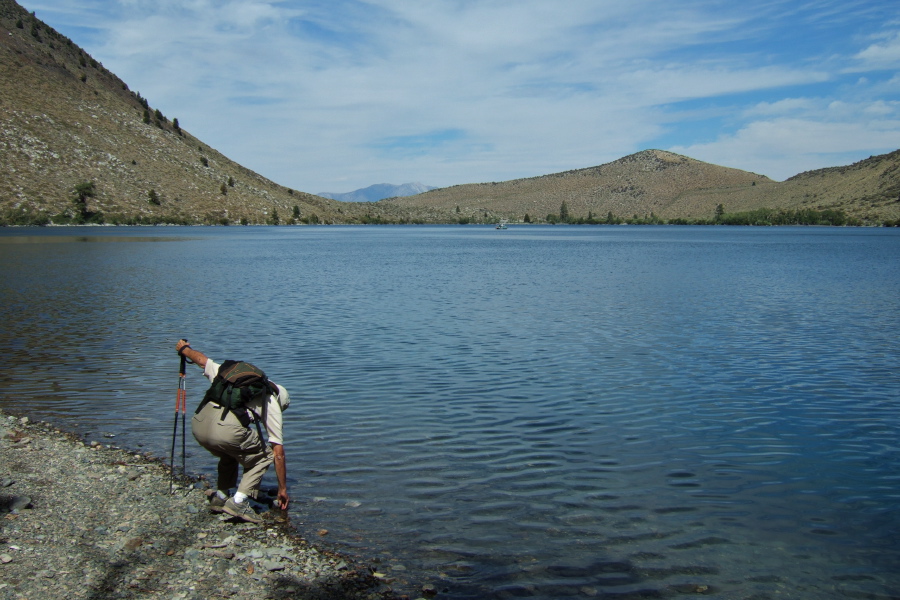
[(235, 385)]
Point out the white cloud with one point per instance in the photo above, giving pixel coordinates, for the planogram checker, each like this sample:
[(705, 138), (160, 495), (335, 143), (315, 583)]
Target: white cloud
[(884, 54), (783, 146), (316, 94), (786, 106)]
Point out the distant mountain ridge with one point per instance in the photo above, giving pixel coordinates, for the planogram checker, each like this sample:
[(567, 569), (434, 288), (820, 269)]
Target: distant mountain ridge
[(379, 191)]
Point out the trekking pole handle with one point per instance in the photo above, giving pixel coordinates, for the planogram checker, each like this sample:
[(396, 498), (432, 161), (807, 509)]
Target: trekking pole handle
[(180, 350)]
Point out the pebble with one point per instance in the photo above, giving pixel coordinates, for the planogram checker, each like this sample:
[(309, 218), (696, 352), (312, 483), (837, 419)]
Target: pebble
[(104, 529), (19, 503), (271, 565)]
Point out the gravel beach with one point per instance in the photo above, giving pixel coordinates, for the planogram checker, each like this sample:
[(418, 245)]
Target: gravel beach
[(86, 520)]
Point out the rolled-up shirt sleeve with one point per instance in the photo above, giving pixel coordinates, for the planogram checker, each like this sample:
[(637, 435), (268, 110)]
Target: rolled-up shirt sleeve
[(274, 421), (211, 369)]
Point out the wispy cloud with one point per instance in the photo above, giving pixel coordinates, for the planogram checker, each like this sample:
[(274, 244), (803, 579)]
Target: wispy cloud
[(884, 53), (340, 94)]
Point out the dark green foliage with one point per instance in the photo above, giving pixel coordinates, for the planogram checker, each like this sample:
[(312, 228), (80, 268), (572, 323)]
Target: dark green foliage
[(804, 216), (650, 219), (85, 189), (175, 125), (275, 219), (23, 218), (159, 116), (720, 211), (368, 219), (296, 213), (153, 197), (82, 192), (527, 218), (231, 182), (564, 212), (146, 116), (224, 189), (20, 24), (149, 220), (204, 161)]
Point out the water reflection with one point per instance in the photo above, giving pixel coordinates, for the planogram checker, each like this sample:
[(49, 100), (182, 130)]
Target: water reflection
[(68, 239)]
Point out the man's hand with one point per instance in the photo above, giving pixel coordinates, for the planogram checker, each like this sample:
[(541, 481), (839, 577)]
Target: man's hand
[(184, 349), (283, 500)]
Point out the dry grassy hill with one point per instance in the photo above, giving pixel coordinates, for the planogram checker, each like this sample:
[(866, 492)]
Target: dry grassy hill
[(671, 186), (66, 120), (868, 190), (652, 181)]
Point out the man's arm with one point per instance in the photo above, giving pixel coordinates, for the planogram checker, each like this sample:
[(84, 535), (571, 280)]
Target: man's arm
[(192, 355), (281, 472)]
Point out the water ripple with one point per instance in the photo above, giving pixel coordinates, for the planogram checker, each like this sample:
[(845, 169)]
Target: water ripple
[(619, 412)]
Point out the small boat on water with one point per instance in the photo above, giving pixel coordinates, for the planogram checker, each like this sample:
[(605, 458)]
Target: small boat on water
[(502, 224)]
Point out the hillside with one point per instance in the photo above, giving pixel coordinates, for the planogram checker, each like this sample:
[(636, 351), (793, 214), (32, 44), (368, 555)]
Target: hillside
[(672, 186), (65, 120), (868, 190)]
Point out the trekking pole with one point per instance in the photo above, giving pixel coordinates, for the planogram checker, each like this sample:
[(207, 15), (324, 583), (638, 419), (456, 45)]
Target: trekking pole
[(180, 404), (183, 391)]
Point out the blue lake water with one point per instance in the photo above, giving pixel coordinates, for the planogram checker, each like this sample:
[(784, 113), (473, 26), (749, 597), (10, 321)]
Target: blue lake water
[(540, 412)]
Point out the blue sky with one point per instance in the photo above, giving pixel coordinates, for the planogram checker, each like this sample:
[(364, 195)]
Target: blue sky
[(336, 95)]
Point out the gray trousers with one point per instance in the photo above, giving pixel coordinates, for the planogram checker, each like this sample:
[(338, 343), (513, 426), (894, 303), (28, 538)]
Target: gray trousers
[(233, 444)]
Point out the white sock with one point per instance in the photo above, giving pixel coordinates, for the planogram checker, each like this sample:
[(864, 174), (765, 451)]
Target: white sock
[(239, 497)]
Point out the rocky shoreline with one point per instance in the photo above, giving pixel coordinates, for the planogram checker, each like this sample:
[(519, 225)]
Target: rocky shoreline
[(84, 520)]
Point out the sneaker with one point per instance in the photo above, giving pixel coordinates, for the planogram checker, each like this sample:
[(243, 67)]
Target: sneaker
[(216, 504), (242, 511)]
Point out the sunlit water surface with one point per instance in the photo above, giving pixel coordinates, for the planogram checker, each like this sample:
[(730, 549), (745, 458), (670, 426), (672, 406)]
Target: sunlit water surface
[(542, 412)]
